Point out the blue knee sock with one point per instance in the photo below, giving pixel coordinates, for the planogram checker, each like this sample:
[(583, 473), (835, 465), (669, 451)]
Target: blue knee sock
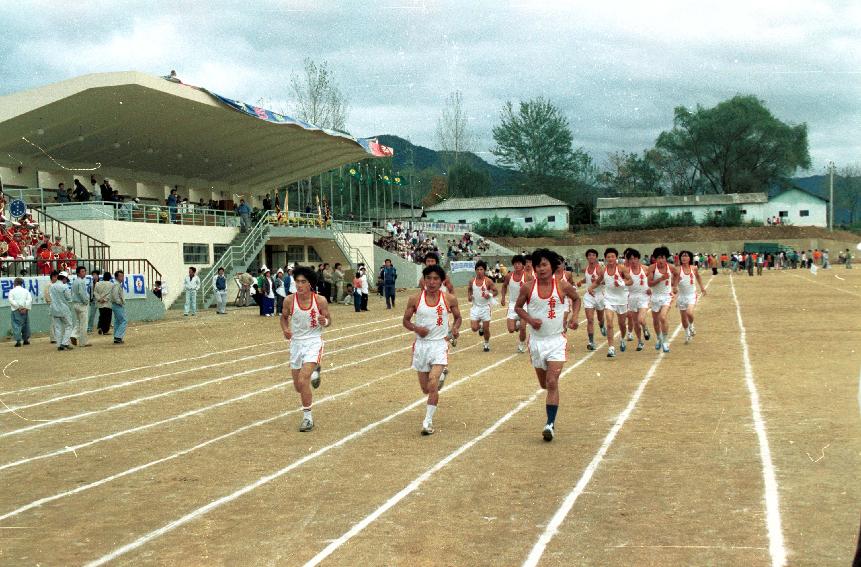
[(551, 413)]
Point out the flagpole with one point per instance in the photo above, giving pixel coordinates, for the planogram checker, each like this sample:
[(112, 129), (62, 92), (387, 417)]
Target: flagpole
[(360, 192)]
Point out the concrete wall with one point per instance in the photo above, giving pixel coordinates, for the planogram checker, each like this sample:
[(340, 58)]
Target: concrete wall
[(161, 244), (518, 216), (408, 272), (750, 211), (793, 203)]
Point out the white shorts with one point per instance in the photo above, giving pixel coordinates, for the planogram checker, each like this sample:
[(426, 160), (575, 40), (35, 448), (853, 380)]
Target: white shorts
[(621, 309), (638, 301), (659, 301), (548, 349), (479, 313), (512, 314), (429, 353), (687, 300), (593, 302), (305, 351)]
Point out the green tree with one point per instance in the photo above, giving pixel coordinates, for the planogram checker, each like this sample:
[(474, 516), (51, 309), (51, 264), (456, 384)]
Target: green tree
[(464, 181), (737, 146), (537, 141), (628, 174)]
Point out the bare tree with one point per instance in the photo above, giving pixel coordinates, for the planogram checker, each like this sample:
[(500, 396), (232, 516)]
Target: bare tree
[(452, 130), (319, 101)]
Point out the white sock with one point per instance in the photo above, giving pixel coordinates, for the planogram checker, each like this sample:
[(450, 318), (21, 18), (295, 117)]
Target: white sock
[(429, 413), (306, 412), (486, 343)]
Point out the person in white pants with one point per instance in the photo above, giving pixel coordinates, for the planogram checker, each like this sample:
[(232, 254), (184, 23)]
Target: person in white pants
[(80, 306), (191, 283), (61, 314)]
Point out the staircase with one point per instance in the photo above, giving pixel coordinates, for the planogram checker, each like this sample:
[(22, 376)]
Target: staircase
[(235, 260), (353, 255)]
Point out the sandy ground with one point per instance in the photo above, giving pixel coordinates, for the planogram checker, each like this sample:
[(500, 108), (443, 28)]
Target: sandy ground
[(182, 446)]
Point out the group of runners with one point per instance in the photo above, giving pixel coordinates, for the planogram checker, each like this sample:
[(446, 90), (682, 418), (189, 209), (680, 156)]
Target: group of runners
[(542, 302)]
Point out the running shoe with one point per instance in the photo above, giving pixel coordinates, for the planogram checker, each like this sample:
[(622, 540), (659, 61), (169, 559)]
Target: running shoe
[(307, 425), (315, 378), (442, 378), (548, 432), (611, 352), (666, 347), (657, 345), (427, 428), (646, 333), (623, 345), (630, 336), (603, 331), (521, 347), (687, 337), (693, 330), (486, 347), (481, 331), (590, 346), (640, 346)]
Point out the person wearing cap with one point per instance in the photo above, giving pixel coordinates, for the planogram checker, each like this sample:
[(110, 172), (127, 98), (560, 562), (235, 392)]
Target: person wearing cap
[(280, 292), (61, 313), (80, 306), (221, 292), (118, 306), (191, 284), (20, 303), (46, 295), (245, 281)]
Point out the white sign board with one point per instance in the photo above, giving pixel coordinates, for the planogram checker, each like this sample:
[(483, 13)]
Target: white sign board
[(134, 286)]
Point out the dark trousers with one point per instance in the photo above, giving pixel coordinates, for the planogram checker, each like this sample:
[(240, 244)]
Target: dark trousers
[(105, 314), (357, 301), (389, 291), (364, 302)]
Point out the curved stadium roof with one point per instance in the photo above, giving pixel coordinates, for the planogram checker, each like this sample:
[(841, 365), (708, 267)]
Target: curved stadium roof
[(158, 129)]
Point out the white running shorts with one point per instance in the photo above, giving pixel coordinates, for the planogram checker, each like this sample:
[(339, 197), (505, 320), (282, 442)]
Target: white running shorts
[(479, 313), (687, 300), (305, 351), (638, 301), (620, 309), (548, 349), (593, 302), (659, 301), (511, 314), (429, 353)]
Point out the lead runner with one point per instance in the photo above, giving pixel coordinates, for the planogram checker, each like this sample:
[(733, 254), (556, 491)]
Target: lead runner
[(541, 306)]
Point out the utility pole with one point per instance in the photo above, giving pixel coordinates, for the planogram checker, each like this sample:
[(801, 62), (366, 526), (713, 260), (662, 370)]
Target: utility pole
[(831, 195)]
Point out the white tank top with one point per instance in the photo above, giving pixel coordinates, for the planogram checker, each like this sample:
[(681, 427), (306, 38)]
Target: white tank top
[(477, 290), (640, 285), (664, 287), (615, 290), (549, 310), (590, 278), (514, 287), (305, 323), (432, 317), (687, 281)]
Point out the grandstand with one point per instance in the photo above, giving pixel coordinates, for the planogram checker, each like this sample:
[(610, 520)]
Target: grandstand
[(149, 135)]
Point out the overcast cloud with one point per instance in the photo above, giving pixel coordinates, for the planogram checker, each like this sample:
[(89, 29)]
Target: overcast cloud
[(617, 69)]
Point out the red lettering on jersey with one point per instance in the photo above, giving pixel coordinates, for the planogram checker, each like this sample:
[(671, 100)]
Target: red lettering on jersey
[(551, 314), (313, 315)]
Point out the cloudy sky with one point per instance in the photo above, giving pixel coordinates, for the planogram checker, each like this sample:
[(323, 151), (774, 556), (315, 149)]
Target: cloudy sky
[(617, 69)]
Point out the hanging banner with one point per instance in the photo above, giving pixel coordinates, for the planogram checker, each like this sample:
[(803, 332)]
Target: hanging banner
[(134, 286), (462, 266)]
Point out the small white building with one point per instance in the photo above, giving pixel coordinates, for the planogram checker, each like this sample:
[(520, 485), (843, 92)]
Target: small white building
[(793, 206), (526, 211)]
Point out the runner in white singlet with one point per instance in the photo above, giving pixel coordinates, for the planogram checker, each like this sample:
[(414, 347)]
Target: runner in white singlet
[(540, 305), (661, 277), (615, 280), (431, 308), (511, 285), (593, 301), (480, 292), (638, 298), (686, 292), (303, 317)]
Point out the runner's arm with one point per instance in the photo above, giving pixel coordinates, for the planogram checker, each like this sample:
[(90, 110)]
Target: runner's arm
[(574, 315), (323, 306), (504, 290), (520, 307), (455, 310), (286, 313)]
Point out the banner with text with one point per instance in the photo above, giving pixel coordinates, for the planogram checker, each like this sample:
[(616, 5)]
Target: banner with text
[(462, 266), (134, 286)]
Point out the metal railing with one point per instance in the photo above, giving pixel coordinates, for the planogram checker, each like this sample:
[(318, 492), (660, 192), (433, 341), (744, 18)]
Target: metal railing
[(353, 254), (143, 212), (234, 255), (312, 220), (83, 245), (35, 267), (33, 196)]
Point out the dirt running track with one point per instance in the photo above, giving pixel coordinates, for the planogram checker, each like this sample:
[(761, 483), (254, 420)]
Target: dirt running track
[(182, 446)]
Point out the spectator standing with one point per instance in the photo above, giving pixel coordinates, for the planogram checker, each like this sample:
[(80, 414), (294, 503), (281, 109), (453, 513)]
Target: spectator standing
[(389, 277), (81, 306), (62, 194), (171, 205), (94, 186), (61, 313), (357, 292), (46, 295), (191, 284), (118, 306), (267, 294), (20, 303), (106, 191), (95, 275), (102, 296), (320, 283), (244, 212), (338, 282), (280, 292), (363, 285), (267, 203), (328, 279), (220, 293), (157, 290), (245, 281), (825, 263)]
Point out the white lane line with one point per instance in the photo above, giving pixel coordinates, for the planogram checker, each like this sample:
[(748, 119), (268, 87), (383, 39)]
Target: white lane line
[(831, 287), (178, 360), (418, 481), (776, 545), (279, 473), (568, 503), (190, 413), (116, 386), (82, 488), (140, 400)]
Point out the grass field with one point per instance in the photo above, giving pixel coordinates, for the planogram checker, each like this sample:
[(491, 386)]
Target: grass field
[(182, 446)]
